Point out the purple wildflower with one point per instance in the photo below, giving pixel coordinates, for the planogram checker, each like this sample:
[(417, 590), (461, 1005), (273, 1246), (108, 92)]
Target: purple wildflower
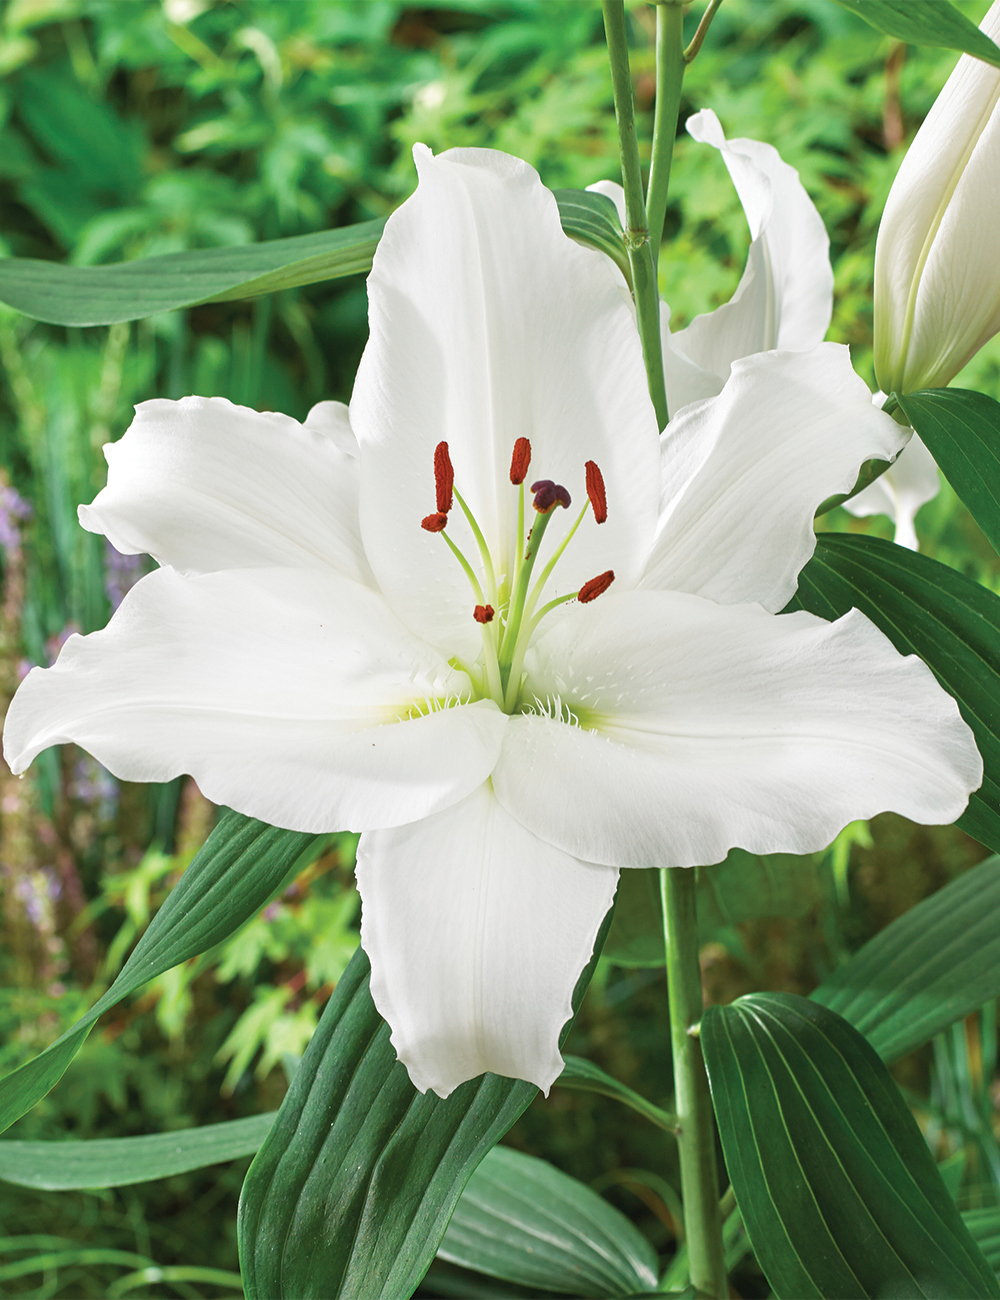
[(121, 573), (94, 786), (14, 511)]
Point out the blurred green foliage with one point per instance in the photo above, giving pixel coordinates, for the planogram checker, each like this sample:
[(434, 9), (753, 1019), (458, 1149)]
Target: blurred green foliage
[(147, 127)]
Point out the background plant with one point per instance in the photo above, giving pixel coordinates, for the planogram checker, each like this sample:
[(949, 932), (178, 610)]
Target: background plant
[(137, 129)]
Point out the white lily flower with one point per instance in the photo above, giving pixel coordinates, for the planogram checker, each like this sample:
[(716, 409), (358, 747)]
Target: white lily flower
[(320, 651), (785, 297), (910, 481), (937, 271)]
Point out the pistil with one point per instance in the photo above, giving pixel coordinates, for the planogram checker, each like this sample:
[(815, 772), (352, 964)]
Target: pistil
[(505, 640), (548, 495)]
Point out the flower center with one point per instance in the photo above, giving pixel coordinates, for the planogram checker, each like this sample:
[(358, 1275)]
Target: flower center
[(507, 613)]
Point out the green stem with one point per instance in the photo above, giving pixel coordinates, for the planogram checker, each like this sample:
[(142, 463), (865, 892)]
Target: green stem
[(670, 67), (695, 1125), (640, 253), (706, 22)]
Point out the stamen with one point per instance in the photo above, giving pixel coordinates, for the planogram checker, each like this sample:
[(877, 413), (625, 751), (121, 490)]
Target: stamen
[(444, 478), (434, 523), (595, 490), (595, 587), (548, 495), (520, 461), (483, 613)]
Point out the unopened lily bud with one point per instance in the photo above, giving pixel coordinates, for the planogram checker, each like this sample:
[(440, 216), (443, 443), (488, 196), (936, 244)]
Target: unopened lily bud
[(937, 268)]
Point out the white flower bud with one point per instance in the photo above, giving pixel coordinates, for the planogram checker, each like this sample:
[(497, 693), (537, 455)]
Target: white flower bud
[(937, 260)]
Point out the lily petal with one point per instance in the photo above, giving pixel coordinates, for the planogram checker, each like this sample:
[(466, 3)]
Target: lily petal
[(697, 360), (202, 485), (333, 419), (785, 297), (489, 324), (280, 691), (743, 474), (477, 932), (704, 727), (782, 215), (910, 481)]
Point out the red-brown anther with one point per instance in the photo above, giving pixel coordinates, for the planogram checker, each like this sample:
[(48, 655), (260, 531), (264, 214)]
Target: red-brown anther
[(483, 613), (434, 523), (595, 491), (595, 587), (520, 461), (444, 478), (548, 495)]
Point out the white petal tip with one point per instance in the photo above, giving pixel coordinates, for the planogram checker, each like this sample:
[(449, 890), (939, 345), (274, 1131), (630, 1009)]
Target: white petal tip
[(706, 128), (426, 1074)]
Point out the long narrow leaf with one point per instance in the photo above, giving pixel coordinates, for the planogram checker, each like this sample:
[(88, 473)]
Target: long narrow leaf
[(584, 1076), (102, 295), (984, 1225), (930, 967), (925, 22), (119, 1162), (234, 874), (837, 1187), (524, 1221)]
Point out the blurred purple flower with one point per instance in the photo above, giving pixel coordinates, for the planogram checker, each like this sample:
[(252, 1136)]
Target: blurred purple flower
[(14, 511), (93, 785), (121, 573), (38, 891)]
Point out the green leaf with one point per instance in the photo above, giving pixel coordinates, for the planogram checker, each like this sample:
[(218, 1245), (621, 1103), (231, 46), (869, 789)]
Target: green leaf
[(102, 295), (636, 937), (746, 887), (984, 1225), (524, 1221), (584, 1076), (927, 609), (925, 22), (592, 219), (838, 1190), (353, 1188), (119, 1162), (962, 432), (932, 966), (743, 887), (230, 879)]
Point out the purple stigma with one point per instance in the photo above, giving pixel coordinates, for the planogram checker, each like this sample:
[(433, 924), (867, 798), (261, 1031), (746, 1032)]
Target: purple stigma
[(548, 495)]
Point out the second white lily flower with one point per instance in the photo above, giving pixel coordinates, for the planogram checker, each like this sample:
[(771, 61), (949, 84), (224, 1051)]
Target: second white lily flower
[(937, 264)]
